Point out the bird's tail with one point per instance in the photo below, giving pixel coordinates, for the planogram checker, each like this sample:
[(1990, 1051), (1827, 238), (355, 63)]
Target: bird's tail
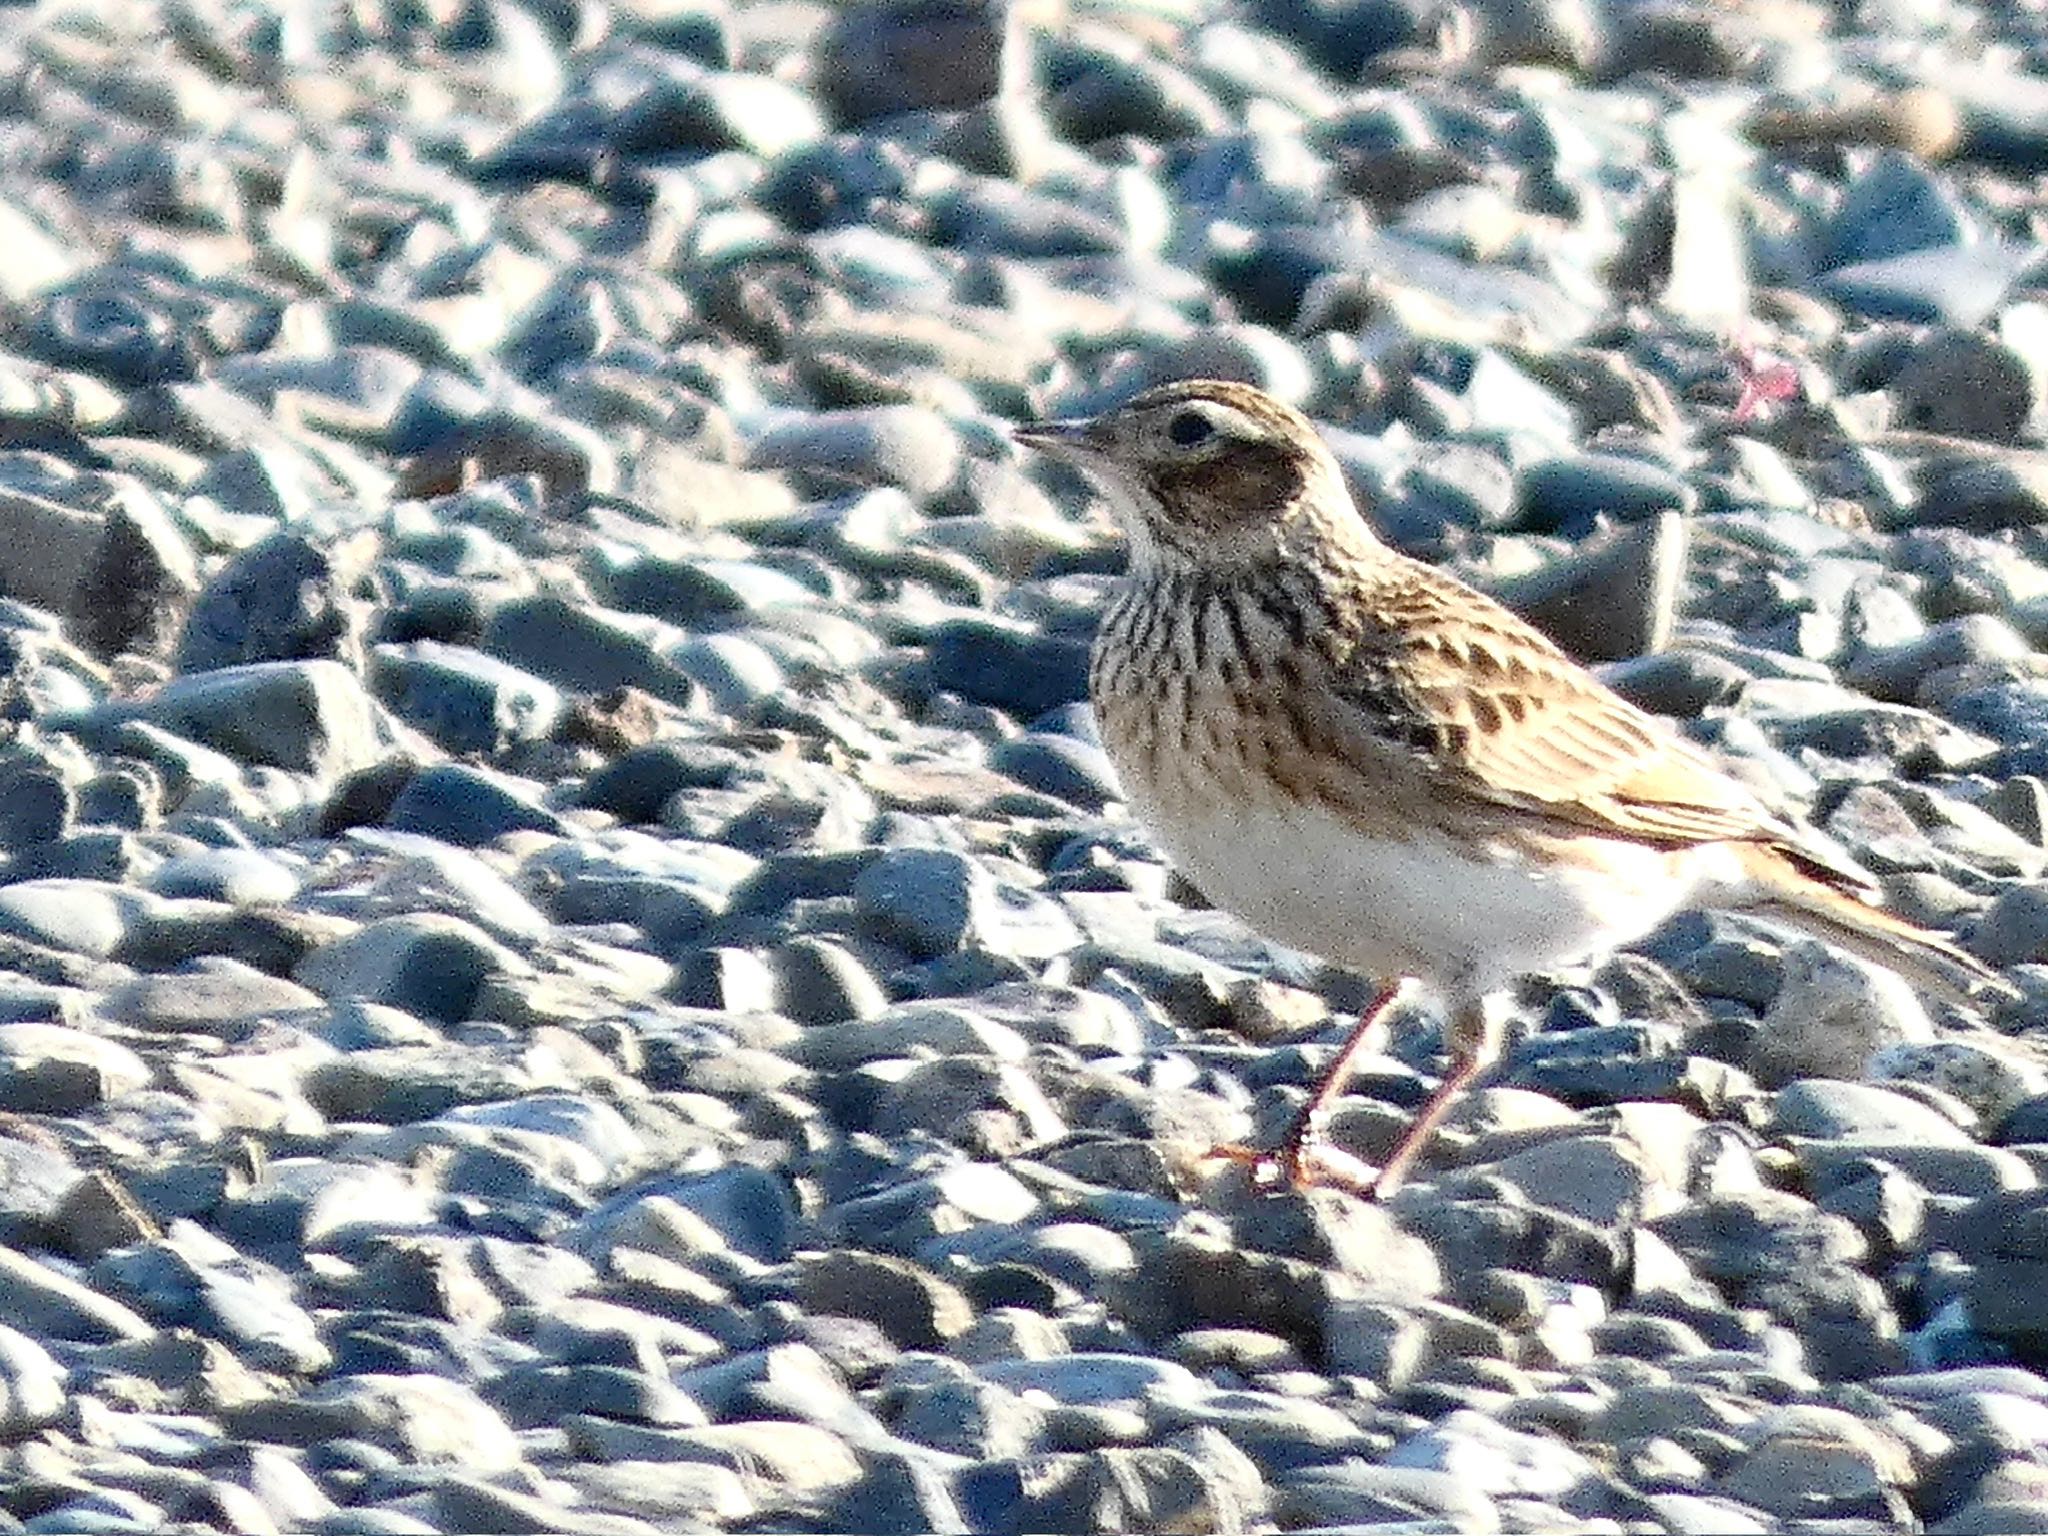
[(1784, 889)]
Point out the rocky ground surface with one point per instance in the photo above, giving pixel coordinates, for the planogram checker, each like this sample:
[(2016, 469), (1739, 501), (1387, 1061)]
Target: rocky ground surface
[(569, 958)]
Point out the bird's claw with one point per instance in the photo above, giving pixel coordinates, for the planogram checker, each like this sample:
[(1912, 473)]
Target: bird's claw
[(1301, 1163)]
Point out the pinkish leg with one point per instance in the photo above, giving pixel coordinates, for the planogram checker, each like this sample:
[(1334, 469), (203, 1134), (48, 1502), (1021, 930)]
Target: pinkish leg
[(1302, 1158)]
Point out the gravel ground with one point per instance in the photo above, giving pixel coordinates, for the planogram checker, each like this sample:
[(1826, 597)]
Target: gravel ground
[(570, 959)]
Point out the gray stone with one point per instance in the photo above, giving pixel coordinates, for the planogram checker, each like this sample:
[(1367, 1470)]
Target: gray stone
[(916, 1308), (44, 1304), (1757, 1234), (775, 1455), (241, 877), (896, 445), (1492, 1458), (903, 1217), (55, 1069), (933, 901), (1132, 1489), (428, 1419), (306, 716), (2014, 929), (1096, 1379), (1990, 1078), (1825, 1108), (1966, 385), (1967, 1170), (469, 1504), (586, 649), (1983, 495), (195, 1283), (969, 1417), (1075, 771), (1611, 598), (1819, 1463), (425, 963), (1995, 1517), (32, 1385), (901, 1031), (1008, 666), (1568, 492), (697, 592), (81, 917), (1957, 285), (315, 1202), (662, 1491), (539, 1396), (1898, 205), (280, 600), (746, 1209), (467, 806), (466, 701), (403, 1083), (1604, 1180), (714, 110), (37, 806), (819, 982), (735, 673), (580, 1121), (214, 996), (99, 1213), (1692, 1514), (121, 577), (1355, 1494), (1831, 1015), (988, 1108)]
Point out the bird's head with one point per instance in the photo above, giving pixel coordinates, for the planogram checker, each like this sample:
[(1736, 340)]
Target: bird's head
[(1204, 471)]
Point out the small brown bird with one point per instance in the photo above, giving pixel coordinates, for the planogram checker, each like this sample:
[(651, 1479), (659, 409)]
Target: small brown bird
[(1366, 759)]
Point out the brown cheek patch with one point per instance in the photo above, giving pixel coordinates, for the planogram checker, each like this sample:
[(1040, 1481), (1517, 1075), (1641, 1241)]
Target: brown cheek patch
[(1250, 481)]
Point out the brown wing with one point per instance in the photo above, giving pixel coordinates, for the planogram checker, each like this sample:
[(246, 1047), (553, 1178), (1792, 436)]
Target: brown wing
[(1500, 712)]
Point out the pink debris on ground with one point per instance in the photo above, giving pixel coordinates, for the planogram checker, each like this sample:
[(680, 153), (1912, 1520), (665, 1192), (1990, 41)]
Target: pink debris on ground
[(1766, 378)]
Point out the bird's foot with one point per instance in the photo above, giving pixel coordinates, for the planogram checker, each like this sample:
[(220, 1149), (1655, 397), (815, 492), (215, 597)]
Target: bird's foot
[(1302, 1162)]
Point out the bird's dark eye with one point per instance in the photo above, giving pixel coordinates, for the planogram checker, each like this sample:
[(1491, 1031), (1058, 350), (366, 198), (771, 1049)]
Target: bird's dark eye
[(1189, 428)]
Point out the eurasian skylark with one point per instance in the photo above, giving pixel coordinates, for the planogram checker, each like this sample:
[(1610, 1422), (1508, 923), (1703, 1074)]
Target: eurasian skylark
[(1366, 759)]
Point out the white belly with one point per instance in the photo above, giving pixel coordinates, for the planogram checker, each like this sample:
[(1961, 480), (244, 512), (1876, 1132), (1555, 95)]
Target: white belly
[(1461, 918)]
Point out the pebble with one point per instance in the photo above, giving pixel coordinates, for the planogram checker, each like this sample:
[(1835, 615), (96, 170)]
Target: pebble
[(55, 1068), (1953, 284), (1992, 1082), (916, 1309), (42, 1303), (467, 807), (424, 963), (1611, 600), (283, 599), (1849, 1110), (430, 1419), (915, 55), (311, 717), (216, 996), (1965, 385), (34, 1384), (466, 701), (1832, 1014), (1818, 1463), (1567, 493), (1007, 667)]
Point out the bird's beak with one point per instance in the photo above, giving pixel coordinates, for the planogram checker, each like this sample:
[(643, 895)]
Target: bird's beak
[(1079, 445), (1068, 440)]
